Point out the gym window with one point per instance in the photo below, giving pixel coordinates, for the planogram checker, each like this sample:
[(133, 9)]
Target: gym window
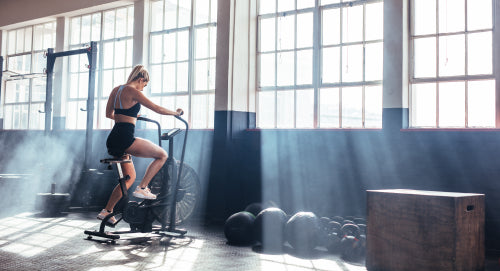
[(331, 79), (113, 32), (24, 90), (452, 80), (182, 59)]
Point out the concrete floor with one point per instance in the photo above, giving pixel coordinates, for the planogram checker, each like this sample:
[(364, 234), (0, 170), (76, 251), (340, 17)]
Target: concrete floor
[(31, 242)]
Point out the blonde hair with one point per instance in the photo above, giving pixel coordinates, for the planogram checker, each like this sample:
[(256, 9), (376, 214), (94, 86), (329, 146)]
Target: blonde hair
[(138, 72)]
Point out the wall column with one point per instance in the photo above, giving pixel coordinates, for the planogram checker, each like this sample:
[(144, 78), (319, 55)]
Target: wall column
[(395, 85), (234, 96)]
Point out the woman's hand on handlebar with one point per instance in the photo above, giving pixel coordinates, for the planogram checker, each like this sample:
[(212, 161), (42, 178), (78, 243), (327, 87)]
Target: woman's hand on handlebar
[(179, 112)]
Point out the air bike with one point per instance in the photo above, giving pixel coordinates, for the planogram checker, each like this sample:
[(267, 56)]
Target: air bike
[(177, 188)]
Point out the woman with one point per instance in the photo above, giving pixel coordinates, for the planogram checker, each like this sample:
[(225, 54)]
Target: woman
[(123, 106)]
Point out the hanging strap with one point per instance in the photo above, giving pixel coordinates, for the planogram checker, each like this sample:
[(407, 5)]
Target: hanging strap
[(119, 96)]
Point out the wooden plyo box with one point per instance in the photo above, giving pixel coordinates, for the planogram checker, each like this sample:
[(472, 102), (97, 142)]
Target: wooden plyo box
[(424, 230)]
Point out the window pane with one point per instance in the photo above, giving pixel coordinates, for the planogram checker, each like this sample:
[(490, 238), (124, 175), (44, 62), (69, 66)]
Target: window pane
[(156, 49), (12, 42), (109, 24), (108, 55), (201, 82), (182, 76), (107, 82), (213, 11), (266, 109), (267, 34), (423, 105), (267, 7), (452, 55), (326, 2), (480, 53), (481, 103), (85, 34), (305, 30), (120, 53), (305, 108), (452, 104), (121, 22), (96, 26), (213, 41), (156, 78), (267, 70), (17, 91), (169, 76), (20, 40), (304, 67), (118, 77), (286, 69), (352, 107), (374, 21), (39, 62), (75, 30), (451, 16), (130, 21), (352, 26), (330, 26), (285, 109), (157, 15), (373, 107), (38, 38), (331, 65), (374, 63), (170, 15), (286, 32), (37, 119), (27, 39), (479, 14), (38, 90), (305, 4), (424, 17), (329, 108), (184, 13), (83, 85), (211, 75), (352, 63), (425, 57), (128, 62), (202, 11), (182, 45), (200, 109), (201, 42), (285, 5)]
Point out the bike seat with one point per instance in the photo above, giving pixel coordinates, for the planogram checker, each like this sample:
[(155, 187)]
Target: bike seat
[(170, 134), (115, 161)]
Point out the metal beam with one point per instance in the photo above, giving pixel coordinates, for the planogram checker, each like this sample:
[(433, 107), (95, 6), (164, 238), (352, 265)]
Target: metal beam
[(92, 55)]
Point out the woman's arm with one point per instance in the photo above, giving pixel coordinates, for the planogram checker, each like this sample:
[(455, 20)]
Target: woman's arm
[(110, 109), (140, 98)]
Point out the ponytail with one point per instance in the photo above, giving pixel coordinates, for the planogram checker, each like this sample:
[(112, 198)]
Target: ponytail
[(138, 72)]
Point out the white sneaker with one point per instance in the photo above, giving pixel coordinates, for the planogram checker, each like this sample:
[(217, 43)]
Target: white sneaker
[(102, 215), (143, 193)]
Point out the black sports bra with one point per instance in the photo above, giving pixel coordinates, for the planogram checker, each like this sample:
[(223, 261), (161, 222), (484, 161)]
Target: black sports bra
[(132, 111)]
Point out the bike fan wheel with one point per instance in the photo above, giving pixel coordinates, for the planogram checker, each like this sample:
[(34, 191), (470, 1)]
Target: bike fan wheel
[(188, 195)]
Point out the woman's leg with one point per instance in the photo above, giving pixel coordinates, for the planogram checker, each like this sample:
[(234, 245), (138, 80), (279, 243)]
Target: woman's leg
[(147, 149), (128, 169)]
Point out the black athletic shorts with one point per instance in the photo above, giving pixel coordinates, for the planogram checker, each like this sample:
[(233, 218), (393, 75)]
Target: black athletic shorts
[(120, 138)]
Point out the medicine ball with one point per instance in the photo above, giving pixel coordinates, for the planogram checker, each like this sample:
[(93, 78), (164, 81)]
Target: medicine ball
[(269, 227), (238, 228), (254, 208), (302, 230)]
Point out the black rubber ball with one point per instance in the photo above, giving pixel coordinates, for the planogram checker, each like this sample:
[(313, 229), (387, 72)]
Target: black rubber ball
[(238, 228)]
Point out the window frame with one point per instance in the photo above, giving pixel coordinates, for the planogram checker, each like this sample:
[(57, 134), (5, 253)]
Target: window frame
[(31, 76), (191, 92), (317, 84), (437, 79)]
